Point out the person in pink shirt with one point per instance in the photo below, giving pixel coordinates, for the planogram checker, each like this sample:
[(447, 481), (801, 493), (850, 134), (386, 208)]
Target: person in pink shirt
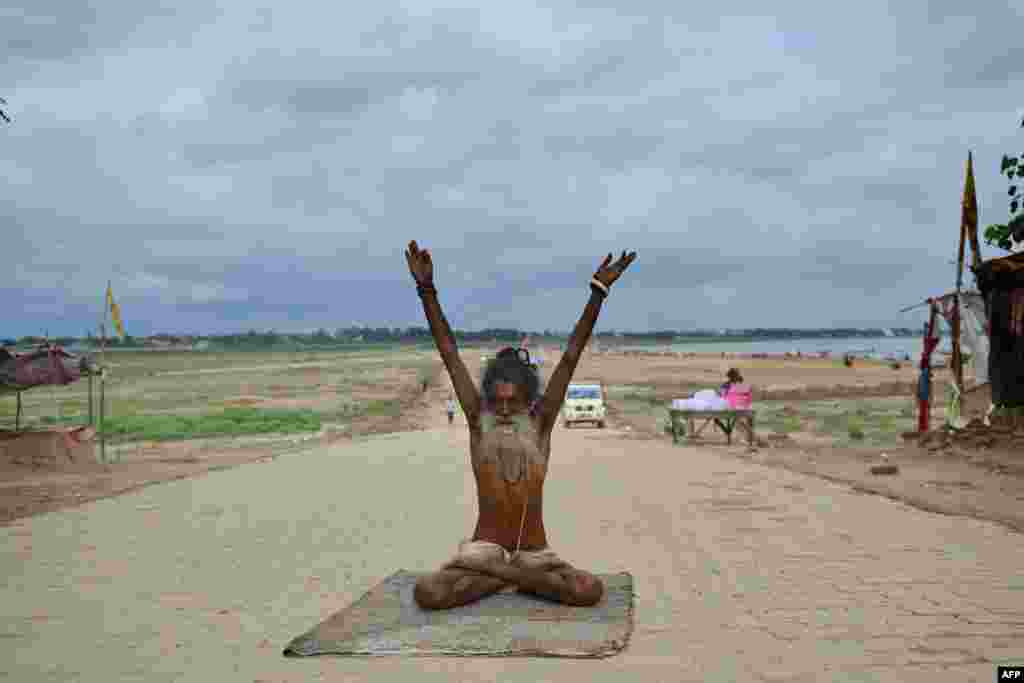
[(731, 377)]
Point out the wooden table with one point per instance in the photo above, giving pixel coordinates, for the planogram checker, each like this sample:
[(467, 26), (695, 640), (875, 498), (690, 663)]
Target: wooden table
[(727, 421)]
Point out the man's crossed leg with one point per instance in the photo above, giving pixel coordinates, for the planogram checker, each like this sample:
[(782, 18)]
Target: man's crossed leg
[(481, 568)]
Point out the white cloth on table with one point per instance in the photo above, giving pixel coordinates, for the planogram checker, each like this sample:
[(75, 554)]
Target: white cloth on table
[(707, 399)]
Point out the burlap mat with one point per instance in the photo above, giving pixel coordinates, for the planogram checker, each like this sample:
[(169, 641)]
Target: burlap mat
[(386, 621)]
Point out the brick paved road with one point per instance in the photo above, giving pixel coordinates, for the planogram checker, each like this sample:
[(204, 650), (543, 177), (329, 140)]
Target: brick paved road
[(742, 572)]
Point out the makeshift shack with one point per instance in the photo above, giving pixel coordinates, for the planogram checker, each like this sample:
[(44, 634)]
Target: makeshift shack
[(45, 365), (1001, 281)]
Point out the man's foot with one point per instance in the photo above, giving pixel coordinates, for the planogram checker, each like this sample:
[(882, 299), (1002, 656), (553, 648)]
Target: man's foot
[(453, 587), (569, 586)]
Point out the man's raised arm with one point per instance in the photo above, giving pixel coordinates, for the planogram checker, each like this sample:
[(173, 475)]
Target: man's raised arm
[(422, 268), (554, 395)]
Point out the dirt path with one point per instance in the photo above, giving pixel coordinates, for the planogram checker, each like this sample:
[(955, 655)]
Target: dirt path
[(742, 572)]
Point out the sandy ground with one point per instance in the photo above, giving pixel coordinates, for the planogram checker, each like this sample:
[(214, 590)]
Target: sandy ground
[(742, 571)]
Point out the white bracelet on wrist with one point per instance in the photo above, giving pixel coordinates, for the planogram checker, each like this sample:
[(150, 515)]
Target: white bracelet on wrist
[(594, 282)]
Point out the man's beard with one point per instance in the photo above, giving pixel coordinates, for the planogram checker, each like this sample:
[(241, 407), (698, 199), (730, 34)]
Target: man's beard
[(509, 441), (517, 424)]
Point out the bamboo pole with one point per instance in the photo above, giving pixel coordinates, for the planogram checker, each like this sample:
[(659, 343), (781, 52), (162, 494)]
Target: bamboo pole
[(103, 375), (968, 232), (957, 361), (924, 383), (103, 438)]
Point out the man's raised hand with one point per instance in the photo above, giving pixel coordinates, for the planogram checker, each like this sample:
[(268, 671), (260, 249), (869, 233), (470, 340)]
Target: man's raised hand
[(420, 265), (609, 272)]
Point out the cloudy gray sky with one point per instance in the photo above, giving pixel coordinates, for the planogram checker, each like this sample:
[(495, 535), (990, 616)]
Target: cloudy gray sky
[(231, 166)]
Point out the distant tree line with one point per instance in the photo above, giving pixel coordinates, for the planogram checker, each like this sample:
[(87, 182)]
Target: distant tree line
[(268, 339)]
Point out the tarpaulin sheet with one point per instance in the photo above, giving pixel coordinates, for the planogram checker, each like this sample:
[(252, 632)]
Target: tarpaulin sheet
[(53, 365), (387, 621)]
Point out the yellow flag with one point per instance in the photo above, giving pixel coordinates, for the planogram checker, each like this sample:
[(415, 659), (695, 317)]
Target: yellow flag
[(115, 313), (969, 219)]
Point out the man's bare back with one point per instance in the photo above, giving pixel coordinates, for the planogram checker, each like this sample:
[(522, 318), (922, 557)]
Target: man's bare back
[(510, 445)]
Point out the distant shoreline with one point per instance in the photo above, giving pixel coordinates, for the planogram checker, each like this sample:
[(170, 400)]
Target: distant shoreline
[(812, 344)]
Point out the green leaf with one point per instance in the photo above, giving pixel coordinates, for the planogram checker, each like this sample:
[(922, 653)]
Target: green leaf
[(998, 235)]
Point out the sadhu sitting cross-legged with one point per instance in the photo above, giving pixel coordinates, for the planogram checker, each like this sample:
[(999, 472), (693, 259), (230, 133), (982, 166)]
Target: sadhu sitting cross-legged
[(510, 442)]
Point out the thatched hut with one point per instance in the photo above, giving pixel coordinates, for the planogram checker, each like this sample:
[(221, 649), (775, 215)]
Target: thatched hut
[(1001, 282)]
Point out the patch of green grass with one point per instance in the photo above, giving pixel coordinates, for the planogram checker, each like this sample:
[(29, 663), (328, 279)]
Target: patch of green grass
[(69, 406), (640, 401), (1008, 410), (831, 424), (427, 372), (790, 424), (232, 421), (887, 423), (382, 408), (126, 406), (344, 412), (648, 399), (622, 390), (855, 428), (845, 421), (51, 420)]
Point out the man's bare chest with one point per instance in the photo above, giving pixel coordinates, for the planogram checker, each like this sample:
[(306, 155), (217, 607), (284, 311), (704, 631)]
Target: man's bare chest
[(511, 451)]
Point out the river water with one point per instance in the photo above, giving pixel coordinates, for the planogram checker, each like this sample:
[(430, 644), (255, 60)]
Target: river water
[(862, 347)]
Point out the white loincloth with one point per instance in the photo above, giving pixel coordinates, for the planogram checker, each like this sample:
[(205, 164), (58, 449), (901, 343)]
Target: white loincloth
[(545, 558)]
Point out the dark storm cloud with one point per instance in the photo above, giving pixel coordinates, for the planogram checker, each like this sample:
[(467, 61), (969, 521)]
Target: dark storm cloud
[(868, 267), (245, 166), (57, 30)]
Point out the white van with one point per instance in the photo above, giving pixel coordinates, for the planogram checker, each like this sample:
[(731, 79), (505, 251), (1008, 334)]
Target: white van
[(584, 402)]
